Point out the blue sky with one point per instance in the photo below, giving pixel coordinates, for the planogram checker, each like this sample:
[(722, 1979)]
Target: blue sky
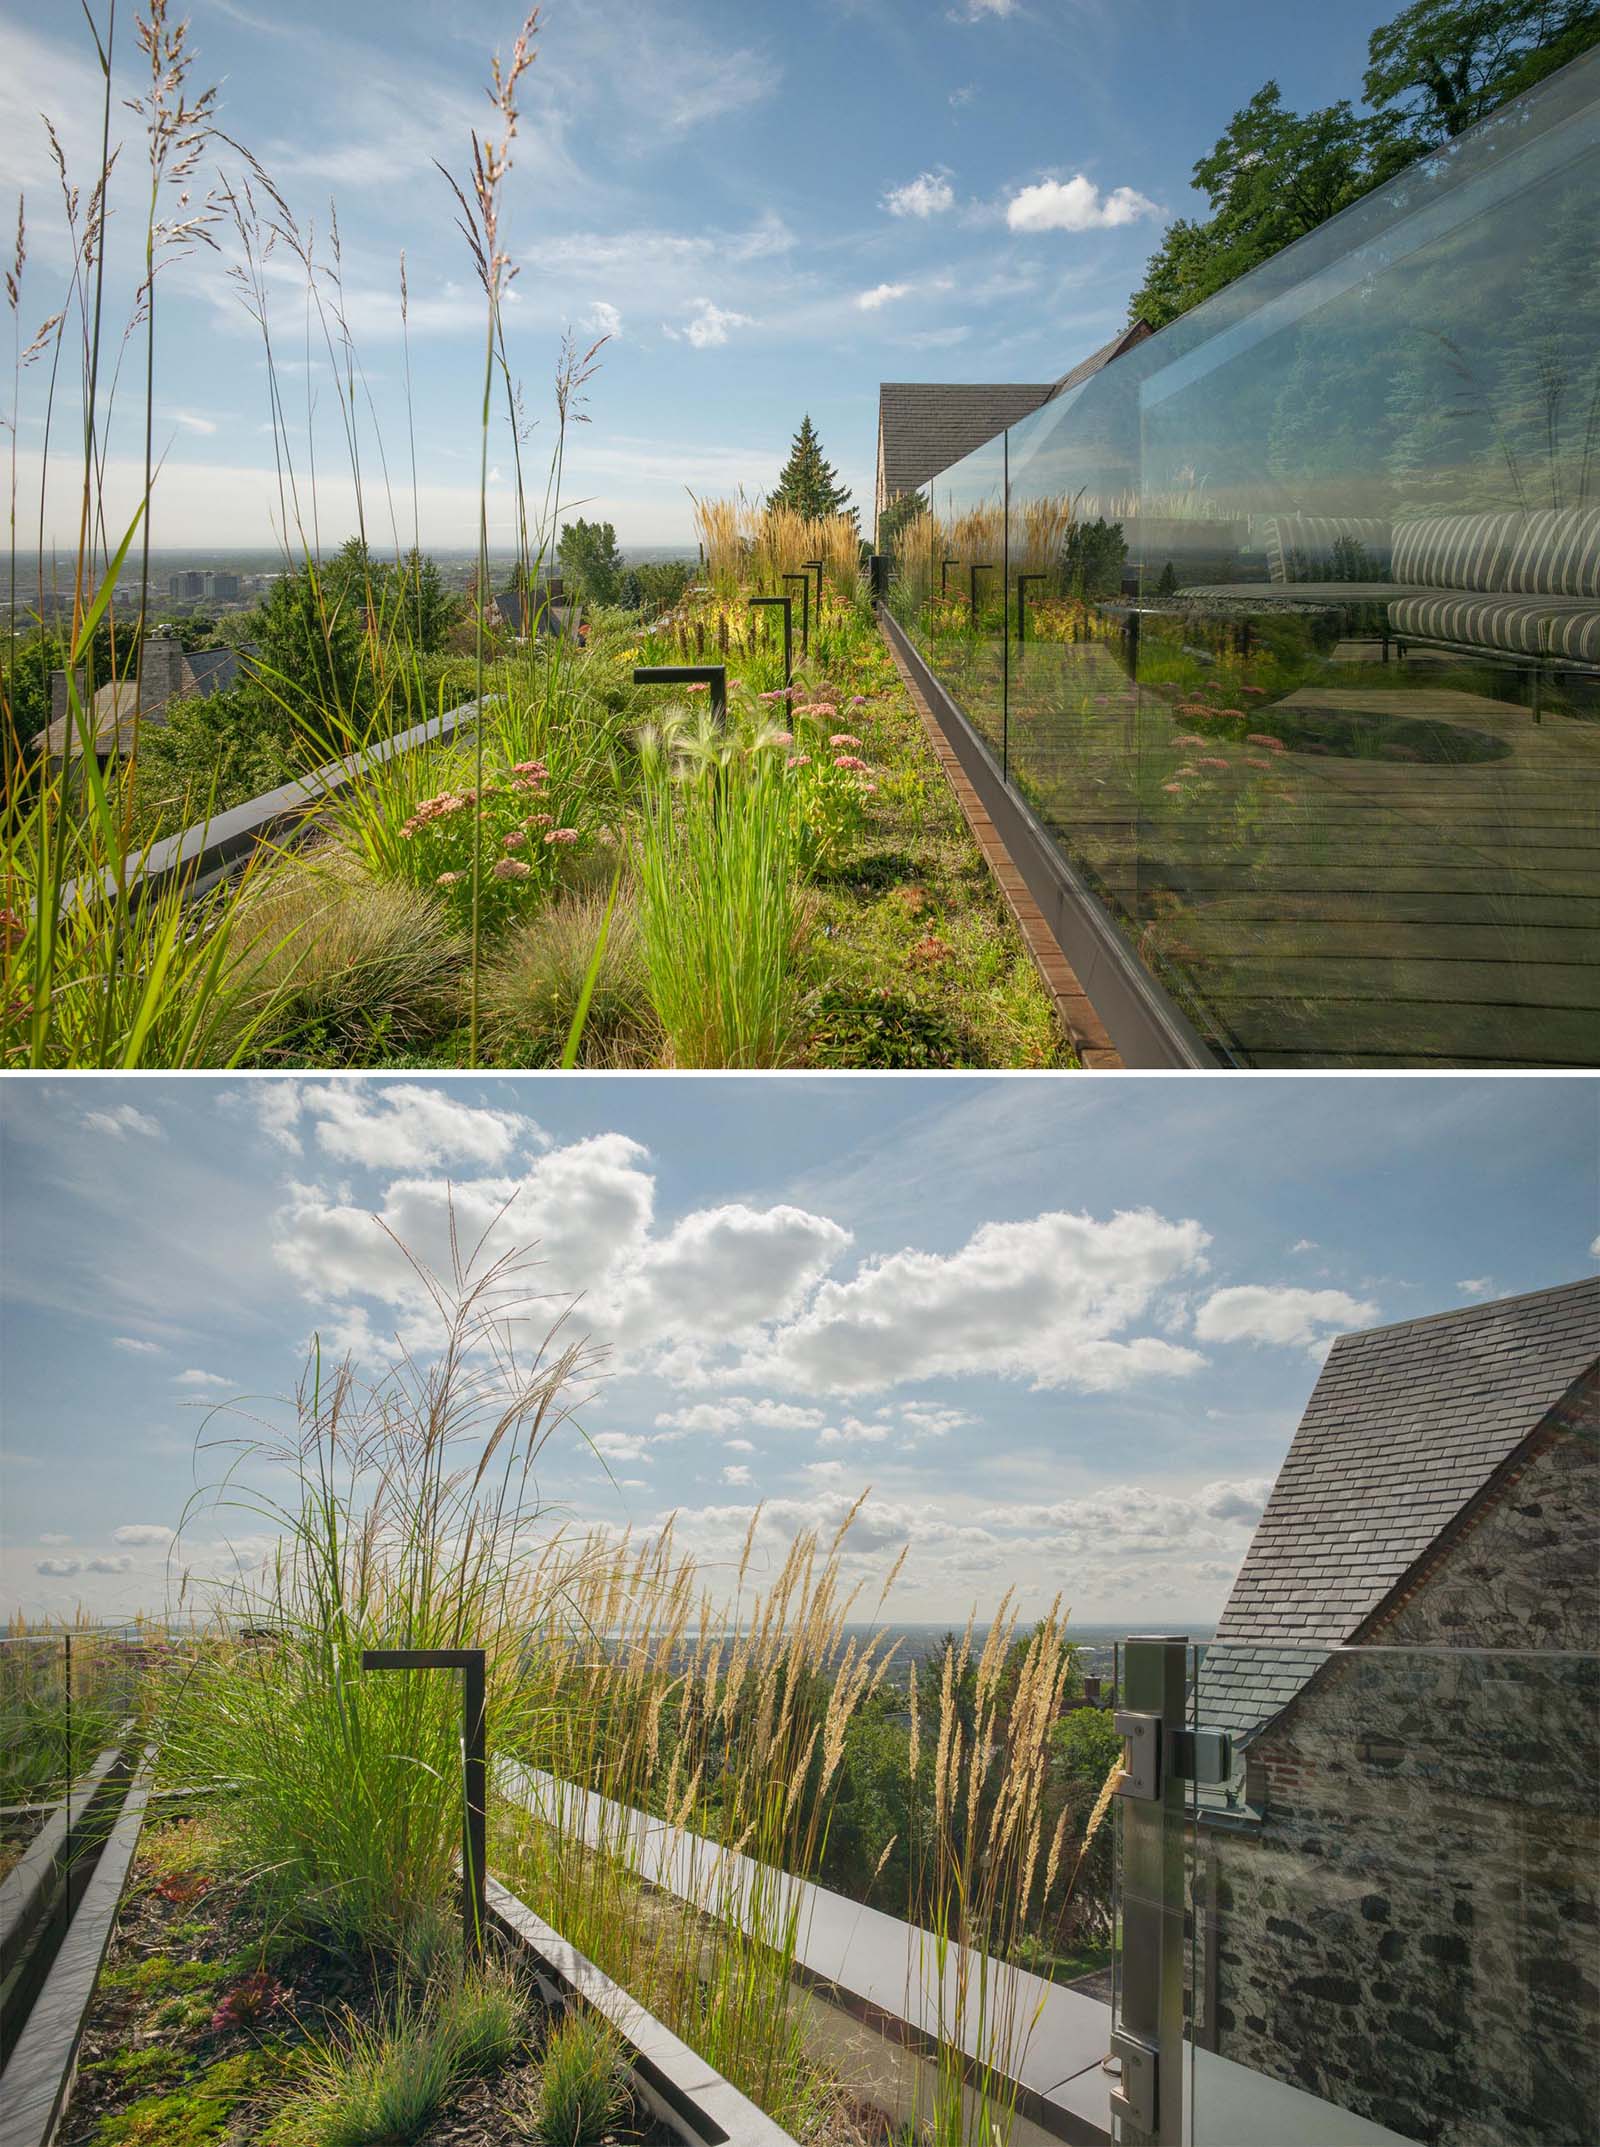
[(771, 207), (1063, 1329)]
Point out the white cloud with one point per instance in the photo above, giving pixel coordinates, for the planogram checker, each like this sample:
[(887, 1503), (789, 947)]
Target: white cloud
[(1480, 1288), (881, 294), (109, 1565), (394, 1127), (1304, 1245), (962, 96), (196, 1378), (54, 1542), (604, 319), (1048, 1300), (854, 1432), (620, 1446), (708, 326), (712, 1417), (191, 421), (824, 1472), (929, 194), (58, 1568), (1288, 1318), (740, 1446), (143, 1349), (1594, 1250), (932, 1422), (584, 1213), (121, 1119), (977, 10), (1075, 204), (736, 1474), (142, 1535)]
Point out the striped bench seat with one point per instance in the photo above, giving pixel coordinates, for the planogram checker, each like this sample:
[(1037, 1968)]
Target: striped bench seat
[(1516, 625)]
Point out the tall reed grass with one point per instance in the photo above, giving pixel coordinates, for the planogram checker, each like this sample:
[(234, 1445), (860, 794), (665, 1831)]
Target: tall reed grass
[(749, 544), (392, 1511), (717, 893)]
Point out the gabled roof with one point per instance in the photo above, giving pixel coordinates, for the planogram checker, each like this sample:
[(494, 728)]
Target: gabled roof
[(1405, 1428), (204, 671), (1124, 339), (927, 425)]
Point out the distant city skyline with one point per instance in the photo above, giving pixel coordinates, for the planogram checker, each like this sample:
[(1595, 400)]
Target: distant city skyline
[(766, 213)]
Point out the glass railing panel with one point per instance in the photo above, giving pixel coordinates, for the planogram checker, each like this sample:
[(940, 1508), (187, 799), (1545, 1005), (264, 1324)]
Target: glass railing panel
[(1303, 618), (1395, 1898), (966, 621), (1376, 625)]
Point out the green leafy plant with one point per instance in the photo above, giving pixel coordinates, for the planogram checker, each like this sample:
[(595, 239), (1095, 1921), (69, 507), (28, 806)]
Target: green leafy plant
[(582, 2085)]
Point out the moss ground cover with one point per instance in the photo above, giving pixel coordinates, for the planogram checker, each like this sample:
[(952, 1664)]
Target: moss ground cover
[(213, 2024)]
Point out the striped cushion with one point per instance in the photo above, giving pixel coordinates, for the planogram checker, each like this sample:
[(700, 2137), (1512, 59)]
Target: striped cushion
[(1300, 546), (1518, 625), (1557, 553), (1456, 551)]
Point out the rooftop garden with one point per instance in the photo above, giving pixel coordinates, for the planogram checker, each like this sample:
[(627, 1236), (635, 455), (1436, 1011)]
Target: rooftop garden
[(290, 1963), (578, 870)]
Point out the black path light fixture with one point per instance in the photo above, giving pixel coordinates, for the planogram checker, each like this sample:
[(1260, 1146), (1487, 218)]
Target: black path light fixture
[(815, 566), (786, 606), (978, 566), (714, 675), (805, 610), (944, 574), (1023, 581), (474, 1842)]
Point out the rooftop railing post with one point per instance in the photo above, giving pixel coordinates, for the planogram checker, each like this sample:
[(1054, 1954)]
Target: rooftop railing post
[(979, 566), (714, 675), (805, 610), (944, 574), (788, 632), (474, 1771), (1147, 2035)]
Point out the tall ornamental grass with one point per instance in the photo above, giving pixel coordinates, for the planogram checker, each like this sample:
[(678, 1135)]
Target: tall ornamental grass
[(727, 1718), (393, 1511), (718, 875)]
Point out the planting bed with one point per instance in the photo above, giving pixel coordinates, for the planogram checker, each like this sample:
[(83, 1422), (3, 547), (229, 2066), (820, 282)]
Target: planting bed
[(205, 2021)]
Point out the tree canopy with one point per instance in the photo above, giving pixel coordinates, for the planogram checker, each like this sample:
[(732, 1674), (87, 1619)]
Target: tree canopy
[(1435, 70), (590, 560), (809, 483)]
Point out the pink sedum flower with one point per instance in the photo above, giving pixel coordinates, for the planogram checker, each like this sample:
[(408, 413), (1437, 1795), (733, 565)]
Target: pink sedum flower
[(1211, 761), (798, 760), (1275, 745), (511, 868), (849, 760), (561, 834), (513, 841), (843, 738)]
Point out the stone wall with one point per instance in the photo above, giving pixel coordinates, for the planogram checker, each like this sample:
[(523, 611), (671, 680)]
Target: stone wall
[(1412, 1928)]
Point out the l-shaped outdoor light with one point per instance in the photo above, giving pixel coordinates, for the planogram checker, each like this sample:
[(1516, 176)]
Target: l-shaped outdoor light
[(815, 566), (714, 675), (787, 608), (1022, 602), (944, 574), (978, 566), (474, 1832), (805, 610)]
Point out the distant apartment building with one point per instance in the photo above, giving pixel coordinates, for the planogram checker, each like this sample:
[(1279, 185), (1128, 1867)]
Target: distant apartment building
[(186, 586), (222, 585)]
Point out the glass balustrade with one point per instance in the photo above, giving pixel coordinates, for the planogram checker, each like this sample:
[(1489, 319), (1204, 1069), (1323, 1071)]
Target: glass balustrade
[(1286, 624)]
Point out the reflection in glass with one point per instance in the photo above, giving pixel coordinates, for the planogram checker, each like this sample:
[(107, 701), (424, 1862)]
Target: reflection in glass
[(1286, 624)]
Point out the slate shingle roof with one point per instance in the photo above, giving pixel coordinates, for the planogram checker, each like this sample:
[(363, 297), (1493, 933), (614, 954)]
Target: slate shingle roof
[(1405, 1426), (926, 425)]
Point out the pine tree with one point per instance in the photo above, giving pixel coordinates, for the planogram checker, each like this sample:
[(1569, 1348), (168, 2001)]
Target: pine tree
[(809, 484)]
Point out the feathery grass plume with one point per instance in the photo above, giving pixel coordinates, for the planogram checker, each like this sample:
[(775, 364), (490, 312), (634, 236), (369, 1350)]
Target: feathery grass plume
[(407, 1495), (479, 223)]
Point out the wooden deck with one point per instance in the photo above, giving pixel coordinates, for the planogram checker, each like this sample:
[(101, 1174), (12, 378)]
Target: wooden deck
[(1332, 911)]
